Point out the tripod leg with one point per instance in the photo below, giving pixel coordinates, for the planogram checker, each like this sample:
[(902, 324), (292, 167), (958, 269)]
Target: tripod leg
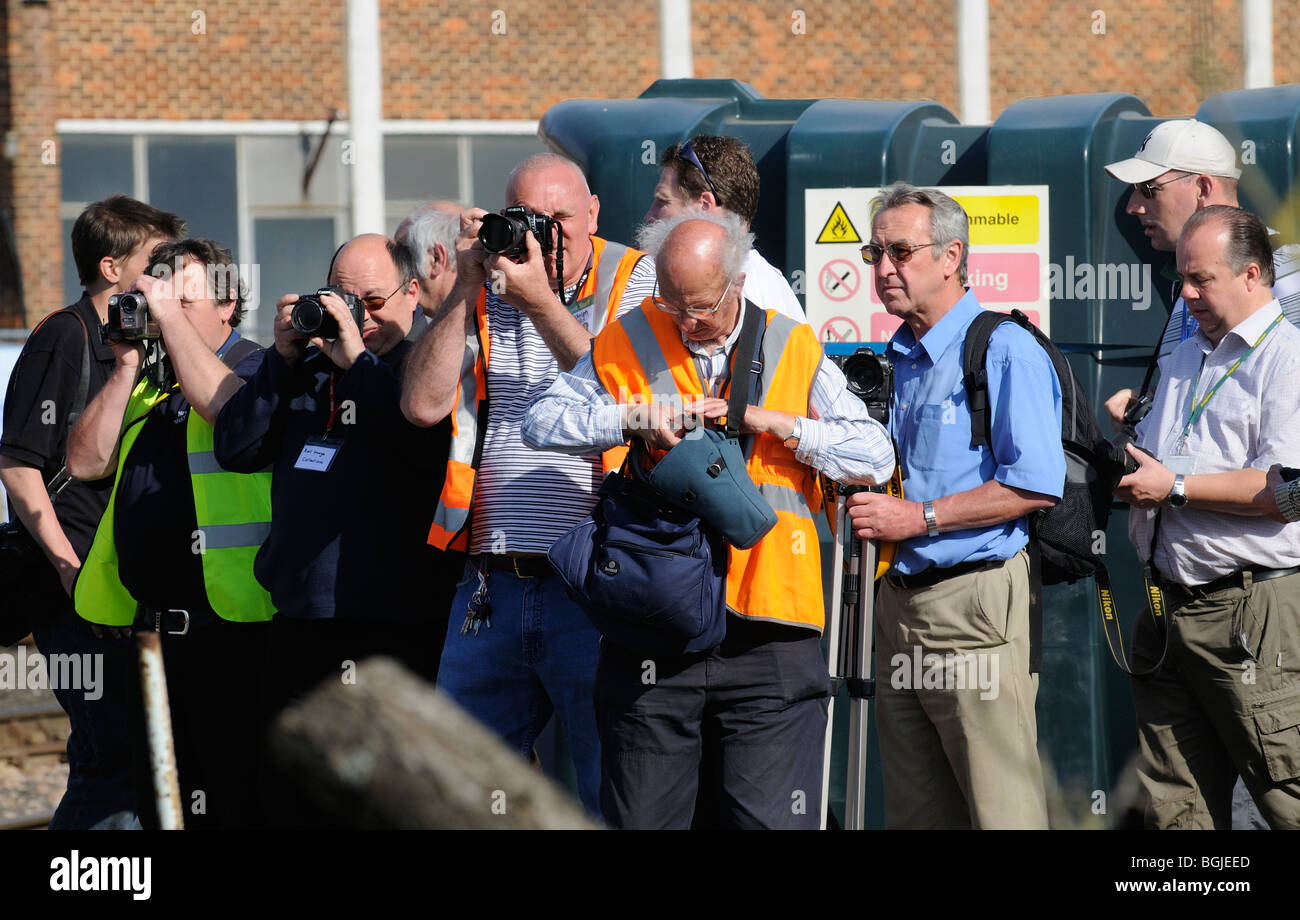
[(833, 648), (855, 798)]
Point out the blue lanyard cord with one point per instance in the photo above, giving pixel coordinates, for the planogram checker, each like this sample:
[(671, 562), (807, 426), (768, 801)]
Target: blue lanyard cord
[(1197, 407)]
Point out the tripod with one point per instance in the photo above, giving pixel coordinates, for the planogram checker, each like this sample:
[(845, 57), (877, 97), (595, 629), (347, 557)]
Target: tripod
[(848, 656)]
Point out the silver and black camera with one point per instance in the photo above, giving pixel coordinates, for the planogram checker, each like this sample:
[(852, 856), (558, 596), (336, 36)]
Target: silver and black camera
[(1122, 460), (128, 319), (310, 317), (870, 378)]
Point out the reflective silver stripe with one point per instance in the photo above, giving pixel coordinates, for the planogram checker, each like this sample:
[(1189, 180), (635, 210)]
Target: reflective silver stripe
[(774, 341), (450, 519), (462, 446), (229, 536), (606, 272), (204, 461), (646, 347), (784, 498)]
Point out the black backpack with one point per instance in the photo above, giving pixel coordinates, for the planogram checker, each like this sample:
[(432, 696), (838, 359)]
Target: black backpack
[(1061, 538)]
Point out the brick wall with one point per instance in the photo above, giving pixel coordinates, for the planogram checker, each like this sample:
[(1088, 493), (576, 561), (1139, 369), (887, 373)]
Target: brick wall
[(29, 185)]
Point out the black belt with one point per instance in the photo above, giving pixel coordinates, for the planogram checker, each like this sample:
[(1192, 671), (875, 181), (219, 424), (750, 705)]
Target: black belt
[(522, 566), (171, 622), (933, 575), (1177, 595)]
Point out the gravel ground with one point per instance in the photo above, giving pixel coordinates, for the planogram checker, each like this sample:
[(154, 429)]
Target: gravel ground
[(35, 787)]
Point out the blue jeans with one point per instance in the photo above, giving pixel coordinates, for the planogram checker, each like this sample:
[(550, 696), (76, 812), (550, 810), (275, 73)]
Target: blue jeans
[(538, 656), (100, 794)]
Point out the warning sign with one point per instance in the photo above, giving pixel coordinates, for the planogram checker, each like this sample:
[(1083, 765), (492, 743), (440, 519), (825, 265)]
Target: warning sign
[(840, 329), (839, 279), (838, 228)]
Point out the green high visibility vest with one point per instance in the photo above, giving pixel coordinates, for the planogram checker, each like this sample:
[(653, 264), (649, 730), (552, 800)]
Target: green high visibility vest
[(233, 511)]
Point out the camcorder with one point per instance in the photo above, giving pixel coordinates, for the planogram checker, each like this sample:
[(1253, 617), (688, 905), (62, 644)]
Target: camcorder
[(1123, 462), (310, 317), (506, 233), (870, 378), (128, 319)]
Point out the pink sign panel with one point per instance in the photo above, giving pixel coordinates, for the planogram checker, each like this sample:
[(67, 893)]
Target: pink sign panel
[(995, 277)]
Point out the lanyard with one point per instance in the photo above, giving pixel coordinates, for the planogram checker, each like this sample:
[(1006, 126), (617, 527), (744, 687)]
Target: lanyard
[(1189, 324), (1197, 407), (334, 410)]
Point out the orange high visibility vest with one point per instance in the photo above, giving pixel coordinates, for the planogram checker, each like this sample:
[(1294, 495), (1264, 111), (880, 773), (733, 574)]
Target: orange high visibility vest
[(612, 265), (641, 357)]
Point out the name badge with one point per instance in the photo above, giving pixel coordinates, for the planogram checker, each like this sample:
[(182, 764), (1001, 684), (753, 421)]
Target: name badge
[(318, 454), (1181, 464), (583, 311)]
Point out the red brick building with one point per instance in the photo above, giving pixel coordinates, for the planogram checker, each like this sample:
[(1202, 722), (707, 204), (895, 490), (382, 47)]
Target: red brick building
[(215, 108)]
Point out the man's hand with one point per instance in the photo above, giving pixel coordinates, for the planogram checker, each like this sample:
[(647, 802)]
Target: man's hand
[(757, 420), (1150, 485), (289, 341), (659, 426), (524, 285), (130, 355), (470, 253), (1119, 404), (344, 350), (877, 516), (161, 297)]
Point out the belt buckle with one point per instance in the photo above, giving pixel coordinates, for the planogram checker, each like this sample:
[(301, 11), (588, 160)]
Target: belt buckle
[(514, 563), (158, 617)]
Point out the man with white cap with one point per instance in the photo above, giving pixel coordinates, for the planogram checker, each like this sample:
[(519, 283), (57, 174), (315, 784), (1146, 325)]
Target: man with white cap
[(1182, 166)]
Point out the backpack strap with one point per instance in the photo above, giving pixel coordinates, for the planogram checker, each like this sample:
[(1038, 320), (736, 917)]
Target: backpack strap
[(975, 350), (239, 351), (62, 477)]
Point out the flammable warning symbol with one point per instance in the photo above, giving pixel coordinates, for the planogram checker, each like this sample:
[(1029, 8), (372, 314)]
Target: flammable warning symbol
[(838, 228)]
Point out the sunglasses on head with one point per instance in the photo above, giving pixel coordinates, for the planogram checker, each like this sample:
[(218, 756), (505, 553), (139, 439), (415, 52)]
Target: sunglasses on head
[(899, 253), (687, 153)]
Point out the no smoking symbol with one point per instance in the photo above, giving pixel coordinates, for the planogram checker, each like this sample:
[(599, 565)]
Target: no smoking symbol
[(839, 279)]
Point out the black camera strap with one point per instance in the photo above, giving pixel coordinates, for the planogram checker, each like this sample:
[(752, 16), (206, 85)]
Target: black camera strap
[(753, 327), (59, 481)]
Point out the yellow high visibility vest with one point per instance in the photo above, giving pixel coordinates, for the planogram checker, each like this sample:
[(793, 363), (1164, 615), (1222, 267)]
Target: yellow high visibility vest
[(233, 511)]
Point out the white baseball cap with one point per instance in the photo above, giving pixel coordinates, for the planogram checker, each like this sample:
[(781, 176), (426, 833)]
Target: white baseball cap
[(1184, 144)]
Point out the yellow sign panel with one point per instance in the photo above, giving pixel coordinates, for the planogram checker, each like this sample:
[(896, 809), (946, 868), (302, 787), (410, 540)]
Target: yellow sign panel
[(1001, 220), (838, 228)]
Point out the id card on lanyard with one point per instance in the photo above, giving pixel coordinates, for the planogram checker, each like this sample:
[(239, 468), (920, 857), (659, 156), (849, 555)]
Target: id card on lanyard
[(319, 452)]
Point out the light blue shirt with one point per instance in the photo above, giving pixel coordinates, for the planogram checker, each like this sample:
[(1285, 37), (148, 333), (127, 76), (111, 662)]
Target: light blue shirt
[(931, 423)]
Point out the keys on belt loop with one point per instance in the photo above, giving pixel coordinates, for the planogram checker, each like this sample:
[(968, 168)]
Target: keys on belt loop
[(479, 612)]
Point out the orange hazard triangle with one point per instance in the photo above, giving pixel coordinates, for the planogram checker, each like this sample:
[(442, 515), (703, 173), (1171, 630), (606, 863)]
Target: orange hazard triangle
[(838, 228)]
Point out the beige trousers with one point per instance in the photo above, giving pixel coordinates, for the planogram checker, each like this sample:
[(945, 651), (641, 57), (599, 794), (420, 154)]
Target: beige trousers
[(955, 703)]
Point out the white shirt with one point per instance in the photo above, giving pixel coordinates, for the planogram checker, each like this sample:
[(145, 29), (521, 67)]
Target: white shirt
[(524, 500), (1252, 422), (578, 414), (768, 289)]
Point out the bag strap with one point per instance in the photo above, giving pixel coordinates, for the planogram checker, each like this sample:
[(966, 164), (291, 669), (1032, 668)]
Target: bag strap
[(975, 350), (743, 384), (59, 481)]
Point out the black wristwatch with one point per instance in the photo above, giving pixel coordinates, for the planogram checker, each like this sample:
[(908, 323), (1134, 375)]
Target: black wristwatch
[(1178, 494)]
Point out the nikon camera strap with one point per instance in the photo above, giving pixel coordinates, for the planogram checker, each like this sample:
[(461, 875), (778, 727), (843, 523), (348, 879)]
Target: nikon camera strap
[(1156, 608)]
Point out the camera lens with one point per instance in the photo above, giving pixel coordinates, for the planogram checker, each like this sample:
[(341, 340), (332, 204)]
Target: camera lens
[(863, 375), (129, 303), (308, 316), (499, 233)]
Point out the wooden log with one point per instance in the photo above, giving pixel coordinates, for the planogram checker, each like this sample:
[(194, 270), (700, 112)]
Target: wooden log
[(390, 751)]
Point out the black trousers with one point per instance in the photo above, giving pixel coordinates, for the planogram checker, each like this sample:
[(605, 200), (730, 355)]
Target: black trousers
[(215, 679), (740, 730)]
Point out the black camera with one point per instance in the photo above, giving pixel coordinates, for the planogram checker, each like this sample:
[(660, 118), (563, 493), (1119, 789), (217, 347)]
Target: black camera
[(128, 319), (310, 317), (1123, 461), (505, 233), (870, 378)]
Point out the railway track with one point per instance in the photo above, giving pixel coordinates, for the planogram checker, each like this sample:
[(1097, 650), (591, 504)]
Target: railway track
[(33, 737)]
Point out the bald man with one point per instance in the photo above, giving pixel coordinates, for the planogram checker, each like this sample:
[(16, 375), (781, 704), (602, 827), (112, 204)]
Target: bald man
[(518, 648), (354, 483), (752, 710)]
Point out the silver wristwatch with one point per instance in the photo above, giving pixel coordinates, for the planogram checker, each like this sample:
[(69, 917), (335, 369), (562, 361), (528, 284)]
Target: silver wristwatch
[(1178, 494), (931, 522), (1288, 500)]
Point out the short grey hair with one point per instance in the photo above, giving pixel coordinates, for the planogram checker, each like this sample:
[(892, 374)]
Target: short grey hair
[(426, 226), (948, 220), (735, 245)]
